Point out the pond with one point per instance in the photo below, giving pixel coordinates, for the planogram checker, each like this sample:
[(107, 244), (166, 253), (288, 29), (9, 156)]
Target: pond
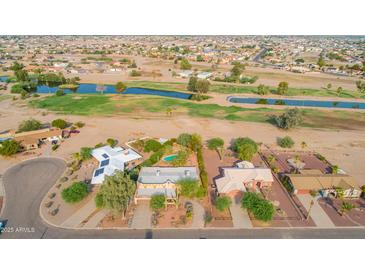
[(297, 102), (3, 78), (109, 89)]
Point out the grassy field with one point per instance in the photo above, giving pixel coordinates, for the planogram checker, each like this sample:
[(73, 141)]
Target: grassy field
[(148, 106), (229, 89)]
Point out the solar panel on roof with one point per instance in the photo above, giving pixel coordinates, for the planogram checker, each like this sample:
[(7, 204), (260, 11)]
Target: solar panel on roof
[(106, 156), (104, 163), (98, 172)]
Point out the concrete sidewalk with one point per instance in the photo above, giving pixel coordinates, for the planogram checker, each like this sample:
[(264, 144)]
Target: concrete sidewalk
[(96, 219), (318, 215), (76, 219)]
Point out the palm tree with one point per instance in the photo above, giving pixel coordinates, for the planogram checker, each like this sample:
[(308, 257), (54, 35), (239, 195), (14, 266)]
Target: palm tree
[(303, 144), (217, 144), (334, 169), (313, 193), (169, 111)]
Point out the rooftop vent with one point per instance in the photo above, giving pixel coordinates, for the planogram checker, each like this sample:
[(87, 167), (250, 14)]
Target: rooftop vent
[(187, 172), (158, 172)]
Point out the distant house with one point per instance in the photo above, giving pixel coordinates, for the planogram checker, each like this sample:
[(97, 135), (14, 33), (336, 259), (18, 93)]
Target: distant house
[(111, 159), (185, 73), (32, 139), (326, 184), (204, 75), (162, 180), (236, 180)]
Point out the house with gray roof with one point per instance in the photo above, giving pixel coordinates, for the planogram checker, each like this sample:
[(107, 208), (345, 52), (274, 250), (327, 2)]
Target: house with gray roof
[(162, 180)]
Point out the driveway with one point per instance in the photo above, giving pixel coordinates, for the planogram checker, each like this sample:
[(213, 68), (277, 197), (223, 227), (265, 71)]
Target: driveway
[(25, 186), (142, 216), (240, 216), (198, 216), (318, 215)]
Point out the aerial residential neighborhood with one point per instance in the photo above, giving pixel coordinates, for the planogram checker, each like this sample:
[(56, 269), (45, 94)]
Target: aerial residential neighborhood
[(120, 134)]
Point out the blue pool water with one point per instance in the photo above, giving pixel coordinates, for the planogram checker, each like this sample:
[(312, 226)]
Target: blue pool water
[(3, 78), (91, 89), (298, 102), (169, 158)]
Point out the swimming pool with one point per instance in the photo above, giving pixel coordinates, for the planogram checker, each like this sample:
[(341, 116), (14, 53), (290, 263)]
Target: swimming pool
[(169, 158), (297, 102)]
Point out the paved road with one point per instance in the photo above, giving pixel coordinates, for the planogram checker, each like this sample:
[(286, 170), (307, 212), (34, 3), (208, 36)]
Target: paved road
[(27, 183)]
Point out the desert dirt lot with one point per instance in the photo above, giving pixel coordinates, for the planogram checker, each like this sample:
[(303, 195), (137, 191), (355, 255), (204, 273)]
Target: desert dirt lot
[(268, 76), (345, 148)]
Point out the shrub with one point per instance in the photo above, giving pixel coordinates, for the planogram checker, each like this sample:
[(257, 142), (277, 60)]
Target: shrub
[(291, 118), (135, 73), (262, 209), (111, 142), (75, 193), (222, 203), (152, 145), (59, 123), (17, 88), (85, 153), (54, 147), (286, 142), (181, 158), (79, 124), (60, 92), (241, 141), (157, 202), (245, 147), (120, 86), (29, 125), (9, 147)]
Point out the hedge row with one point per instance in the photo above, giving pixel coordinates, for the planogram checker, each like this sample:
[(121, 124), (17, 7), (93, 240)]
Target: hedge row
[(201, 165)]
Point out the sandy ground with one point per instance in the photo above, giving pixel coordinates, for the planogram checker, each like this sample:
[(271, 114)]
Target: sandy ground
[(345, 148), (267, 76)]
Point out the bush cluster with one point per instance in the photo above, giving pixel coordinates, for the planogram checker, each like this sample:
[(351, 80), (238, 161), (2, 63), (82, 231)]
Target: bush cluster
[(262, 209)]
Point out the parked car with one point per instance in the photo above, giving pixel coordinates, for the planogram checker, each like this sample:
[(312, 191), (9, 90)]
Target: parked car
[(2, 226), (75, 131)]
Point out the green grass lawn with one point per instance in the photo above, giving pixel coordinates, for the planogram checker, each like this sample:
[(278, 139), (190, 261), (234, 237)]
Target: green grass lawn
[(144, 106), (229, 89)]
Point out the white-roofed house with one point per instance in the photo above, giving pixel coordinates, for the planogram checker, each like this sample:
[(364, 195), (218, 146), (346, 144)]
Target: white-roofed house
[(111, 159), (236, 180), (162, 180)]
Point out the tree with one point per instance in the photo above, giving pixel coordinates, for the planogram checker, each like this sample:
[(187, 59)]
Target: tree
[(59, 123), (120, 86), (313, 193), (184, 64), (217, 145), (246, 152), (286, 142), (157, 202), (360, 86), (184, 139), (188, 187), (152, 145), (262, 89), (21, 75), (329, 86), (85, 153), (262, 209), (241, 141), (202, 86), (289, 119), (75, 193), (9, 147), (116, 192), (111, 142), (29, 125), (303, 144), (321, 63), (222, 203), (283, 88), (195, 142), (192, 84), (339, 91), (16, 66)]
